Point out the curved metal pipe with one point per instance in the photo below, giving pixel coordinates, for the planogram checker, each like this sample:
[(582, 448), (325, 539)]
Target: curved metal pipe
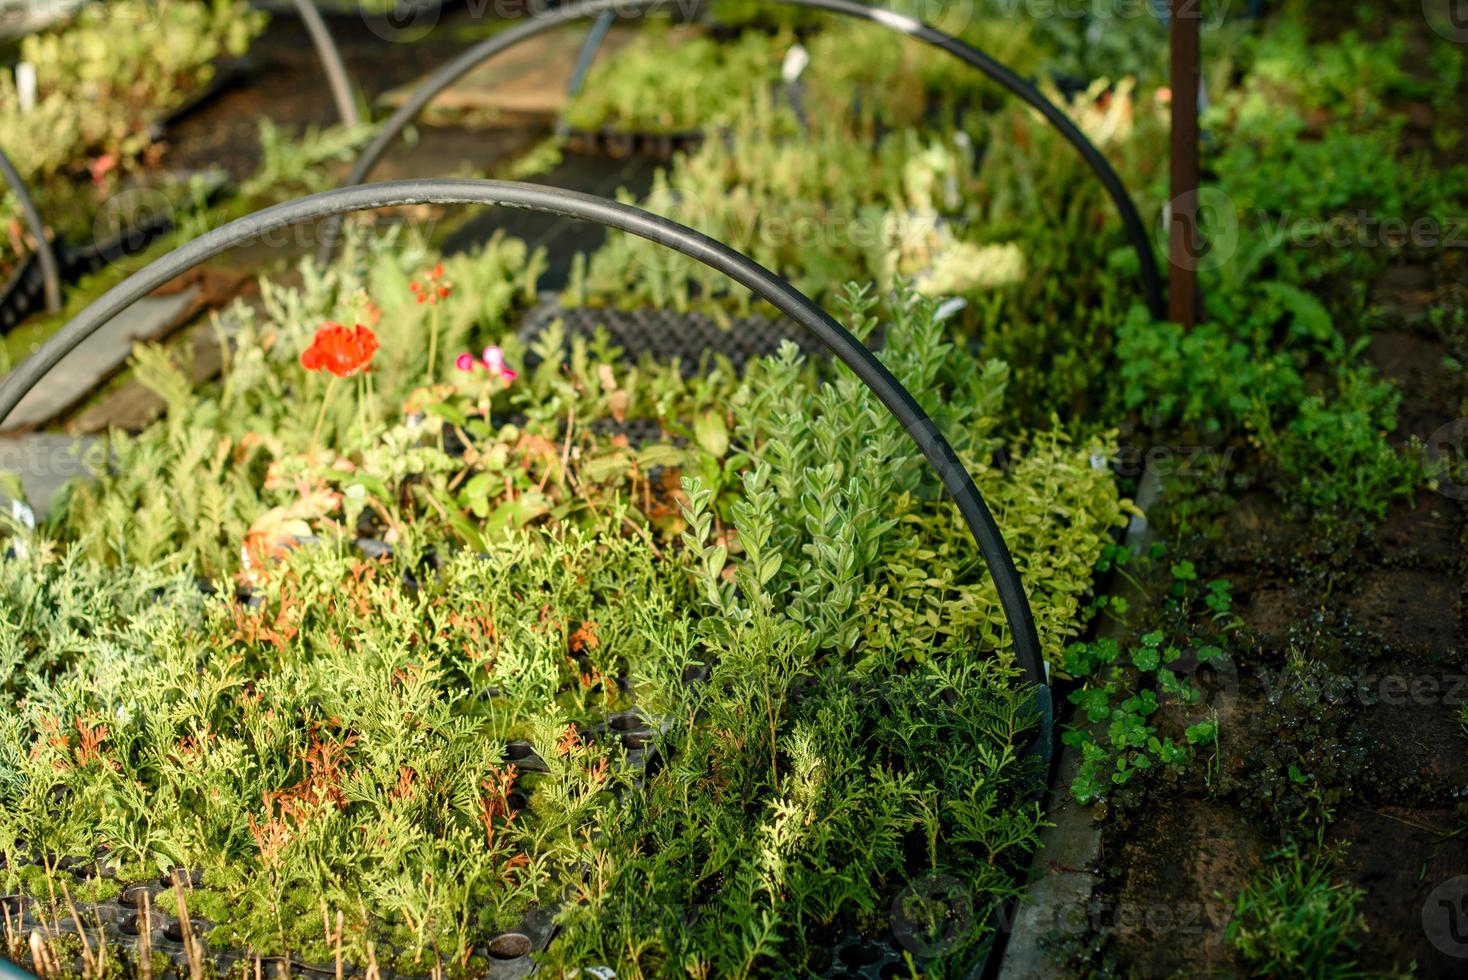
[(331, 62), (589, 47), (50, 271), (341, 91), (623, 217), (451, 72)]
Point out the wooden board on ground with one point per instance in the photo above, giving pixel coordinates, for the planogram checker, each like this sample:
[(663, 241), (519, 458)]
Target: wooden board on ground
[(132, 407), (525, 83), (44, 462), (103, 354)]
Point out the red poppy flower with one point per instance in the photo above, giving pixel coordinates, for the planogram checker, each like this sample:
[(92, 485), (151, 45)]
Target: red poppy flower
[(339, 349)]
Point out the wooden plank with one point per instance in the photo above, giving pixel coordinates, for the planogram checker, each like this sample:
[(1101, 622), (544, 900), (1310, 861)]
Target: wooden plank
[(527, 82), (132, 407), (103, 354)]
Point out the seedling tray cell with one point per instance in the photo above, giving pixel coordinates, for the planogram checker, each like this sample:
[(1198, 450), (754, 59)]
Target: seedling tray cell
[(669, 335), (617, 143)]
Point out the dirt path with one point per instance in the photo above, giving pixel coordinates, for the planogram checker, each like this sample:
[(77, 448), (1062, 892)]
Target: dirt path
[(1339, 712)]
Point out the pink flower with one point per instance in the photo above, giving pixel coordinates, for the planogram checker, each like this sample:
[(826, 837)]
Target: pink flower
[(493, 360)]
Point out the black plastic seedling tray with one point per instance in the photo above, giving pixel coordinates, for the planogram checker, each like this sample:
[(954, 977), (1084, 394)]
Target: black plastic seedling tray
[(618, 143), (668, 335), (505, 957), (23, 294)]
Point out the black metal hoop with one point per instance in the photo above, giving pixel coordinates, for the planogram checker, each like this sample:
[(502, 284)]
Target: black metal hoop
[(341, 91), (50, 271), (623, 217), (595, 36), (331, 61), (543, 21)]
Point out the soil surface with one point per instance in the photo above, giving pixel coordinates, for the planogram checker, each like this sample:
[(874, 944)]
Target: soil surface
[(1339, 713), (1340, 709), (285, 83)]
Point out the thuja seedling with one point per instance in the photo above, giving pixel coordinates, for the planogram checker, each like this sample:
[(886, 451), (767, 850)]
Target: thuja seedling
[(360, 726)]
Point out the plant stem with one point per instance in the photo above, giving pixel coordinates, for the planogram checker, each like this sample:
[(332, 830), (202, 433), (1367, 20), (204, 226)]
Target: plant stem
[(321, 415), (362, 405), (432, 340)]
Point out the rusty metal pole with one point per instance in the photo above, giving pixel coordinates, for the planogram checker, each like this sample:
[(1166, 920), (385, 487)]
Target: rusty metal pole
[(1184, 241)]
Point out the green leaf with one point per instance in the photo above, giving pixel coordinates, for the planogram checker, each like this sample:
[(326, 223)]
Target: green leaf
[(452, 414), (660, 454), (1207, 731), (1095, 704), (373, 485), (475, 494), (711, 433), (769, 568), (1309, 317), (715, 559), (1147, 659), (518, 512), (605, 468)]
